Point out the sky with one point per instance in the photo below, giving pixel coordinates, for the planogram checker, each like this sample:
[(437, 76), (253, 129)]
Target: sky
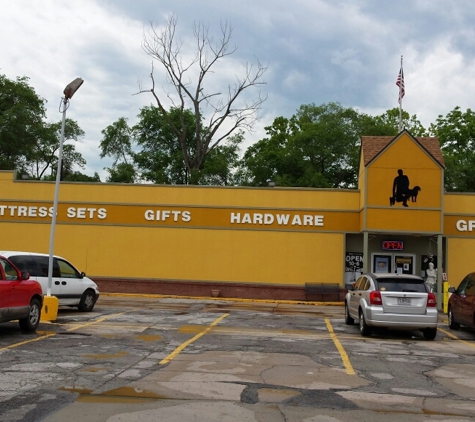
[(316, 51)]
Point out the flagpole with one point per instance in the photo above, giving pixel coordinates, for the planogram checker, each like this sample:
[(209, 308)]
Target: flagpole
[(400, 98)]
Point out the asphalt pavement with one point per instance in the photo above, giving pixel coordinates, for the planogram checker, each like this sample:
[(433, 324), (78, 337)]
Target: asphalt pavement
[(153, 358)]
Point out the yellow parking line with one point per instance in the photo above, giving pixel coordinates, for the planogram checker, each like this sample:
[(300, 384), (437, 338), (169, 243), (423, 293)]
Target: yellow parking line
[(456, 338), (21, 343), (96, 321), (343, 354), (173, 354), (45, 336)]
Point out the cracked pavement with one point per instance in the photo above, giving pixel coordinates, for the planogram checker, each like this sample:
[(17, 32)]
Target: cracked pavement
[(260, 362)]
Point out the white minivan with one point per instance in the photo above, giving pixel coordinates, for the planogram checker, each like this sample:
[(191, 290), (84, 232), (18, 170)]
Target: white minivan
[(71, 287)]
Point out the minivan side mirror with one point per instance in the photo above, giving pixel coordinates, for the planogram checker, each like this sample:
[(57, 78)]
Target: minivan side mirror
[(349, 286), (82, 275), (24, 276), (451, 289)]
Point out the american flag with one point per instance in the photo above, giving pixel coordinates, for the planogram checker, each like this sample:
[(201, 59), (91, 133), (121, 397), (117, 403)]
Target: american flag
[(400, 84)]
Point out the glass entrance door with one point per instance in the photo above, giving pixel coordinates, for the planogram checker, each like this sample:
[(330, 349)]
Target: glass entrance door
[(382, 263), (404, 264)]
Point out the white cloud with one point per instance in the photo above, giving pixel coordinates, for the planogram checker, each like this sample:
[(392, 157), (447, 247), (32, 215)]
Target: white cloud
[(317, 50)]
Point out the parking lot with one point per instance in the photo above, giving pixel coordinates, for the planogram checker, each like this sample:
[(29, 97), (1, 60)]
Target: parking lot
[(149, 358)]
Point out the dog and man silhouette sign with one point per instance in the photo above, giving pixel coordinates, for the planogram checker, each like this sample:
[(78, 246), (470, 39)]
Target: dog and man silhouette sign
[(402, 191)]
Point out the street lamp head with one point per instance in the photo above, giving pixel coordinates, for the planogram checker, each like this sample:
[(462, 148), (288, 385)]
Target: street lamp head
[(72, 87)]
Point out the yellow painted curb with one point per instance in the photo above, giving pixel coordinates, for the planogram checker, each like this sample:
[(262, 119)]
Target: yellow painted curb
[(50, 308)]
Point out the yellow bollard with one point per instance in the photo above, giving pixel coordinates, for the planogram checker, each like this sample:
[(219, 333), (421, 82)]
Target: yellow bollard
[(446, 296), (50, 308)]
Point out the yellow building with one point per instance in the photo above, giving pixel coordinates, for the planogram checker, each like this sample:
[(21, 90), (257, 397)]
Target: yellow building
[(281, 243)]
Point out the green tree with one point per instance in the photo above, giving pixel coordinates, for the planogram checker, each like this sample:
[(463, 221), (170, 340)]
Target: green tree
[(117, 142), (151, 151), (160, 159), (77, 176), (121, 173), (387, 124), (21, 122), (265, 160), (327, 139), (318, 147), (43, 155), (74, 176), (220, 166), (456, 133)]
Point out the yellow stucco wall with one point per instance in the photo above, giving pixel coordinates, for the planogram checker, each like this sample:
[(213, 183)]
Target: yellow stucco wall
[(183, 254), (207, 247), (460, 259), (459, 203), (403, 220)]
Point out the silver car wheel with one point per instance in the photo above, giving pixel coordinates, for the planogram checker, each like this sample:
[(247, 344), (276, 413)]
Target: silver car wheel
[(365, 330)]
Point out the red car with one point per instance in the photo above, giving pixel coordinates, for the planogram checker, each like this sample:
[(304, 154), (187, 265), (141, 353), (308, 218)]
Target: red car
[(462, 303), (20, 297)]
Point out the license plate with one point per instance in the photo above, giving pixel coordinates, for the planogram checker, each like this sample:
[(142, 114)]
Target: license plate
[(403, 301)]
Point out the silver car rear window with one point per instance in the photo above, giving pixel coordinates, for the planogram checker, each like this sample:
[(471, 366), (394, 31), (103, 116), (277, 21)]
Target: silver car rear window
[(398, 285)]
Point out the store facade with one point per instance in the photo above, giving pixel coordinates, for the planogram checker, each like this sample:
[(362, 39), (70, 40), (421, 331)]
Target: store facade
[(272, 243)]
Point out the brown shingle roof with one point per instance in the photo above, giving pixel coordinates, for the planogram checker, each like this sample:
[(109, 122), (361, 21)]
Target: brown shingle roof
[(371, 146)]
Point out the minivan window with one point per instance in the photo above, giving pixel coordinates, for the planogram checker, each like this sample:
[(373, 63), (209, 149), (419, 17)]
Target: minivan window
[(67, 271), (23, 262), (36, 266)]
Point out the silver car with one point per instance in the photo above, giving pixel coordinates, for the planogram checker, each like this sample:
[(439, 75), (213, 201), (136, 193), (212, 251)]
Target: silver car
[(396, 301)]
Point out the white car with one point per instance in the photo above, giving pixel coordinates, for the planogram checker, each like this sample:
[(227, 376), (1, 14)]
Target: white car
[(396, 301), (70, 286)]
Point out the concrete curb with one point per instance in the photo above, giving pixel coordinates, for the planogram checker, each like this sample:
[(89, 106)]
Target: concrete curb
[(222, 299)]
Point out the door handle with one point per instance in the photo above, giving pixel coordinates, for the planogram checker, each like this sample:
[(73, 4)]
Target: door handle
[(57, 283), (64, 283)]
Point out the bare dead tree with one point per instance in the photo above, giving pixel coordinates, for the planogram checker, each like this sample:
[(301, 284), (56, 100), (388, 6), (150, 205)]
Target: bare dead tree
[(204, 100)]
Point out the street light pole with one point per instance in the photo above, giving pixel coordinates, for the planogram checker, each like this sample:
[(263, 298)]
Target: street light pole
[(68, 93)]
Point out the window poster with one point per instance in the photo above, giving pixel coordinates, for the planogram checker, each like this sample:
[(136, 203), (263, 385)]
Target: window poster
[(353, 266)]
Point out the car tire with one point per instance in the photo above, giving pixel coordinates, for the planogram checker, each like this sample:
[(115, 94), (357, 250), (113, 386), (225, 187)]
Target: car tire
[(430, 333), (88, 301), (452, 324), (30, 323), (365, 329), (348, 319)]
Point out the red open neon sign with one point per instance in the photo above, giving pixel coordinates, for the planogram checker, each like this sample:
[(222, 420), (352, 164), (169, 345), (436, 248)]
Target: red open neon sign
[(392, 245)]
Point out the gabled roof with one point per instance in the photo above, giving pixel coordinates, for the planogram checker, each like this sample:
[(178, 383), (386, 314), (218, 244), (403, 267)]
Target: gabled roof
[(371, 146)]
